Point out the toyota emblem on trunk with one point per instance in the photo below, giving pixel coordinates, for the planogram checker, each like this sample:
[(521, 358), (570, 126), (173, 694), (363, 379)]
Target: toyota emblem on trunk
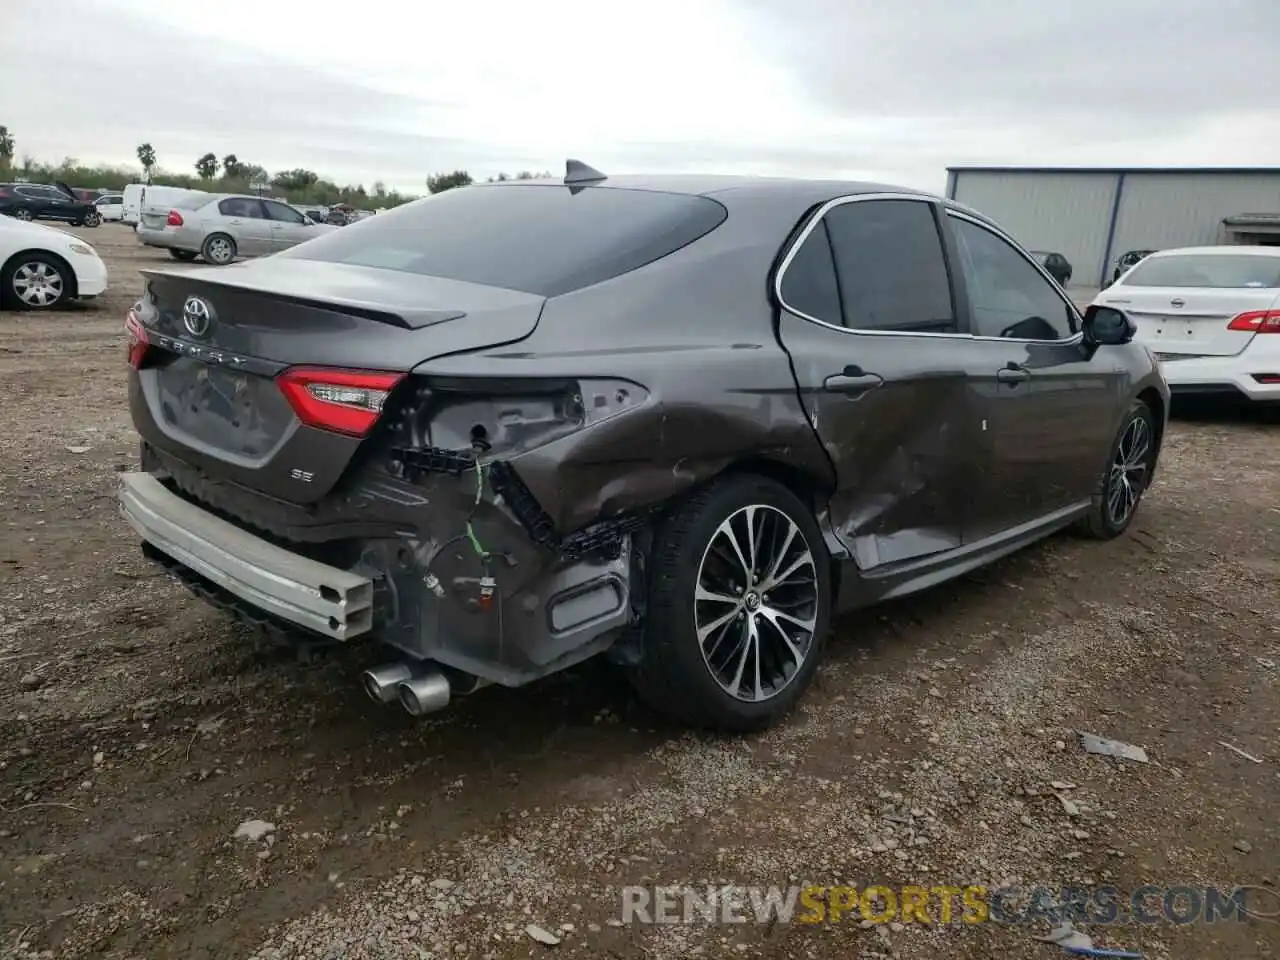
[(197, 316)]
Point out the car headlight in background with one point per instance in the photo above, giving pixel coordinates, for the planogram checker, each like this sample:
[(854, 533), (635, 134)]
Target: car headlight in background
[(83, 249)]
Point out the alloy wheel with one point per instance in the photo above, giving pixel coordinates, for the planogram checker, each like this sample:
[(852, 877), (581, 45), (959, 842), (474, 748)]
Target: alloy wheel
[(1129, 471), (756, 603), (220, 250), (37, 284), (23, 214)]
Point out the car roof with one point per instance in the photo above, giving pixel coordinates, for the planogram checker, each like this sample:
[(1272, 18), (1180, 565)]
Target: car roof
[(727, 185), (1223, 250), (788, 197)]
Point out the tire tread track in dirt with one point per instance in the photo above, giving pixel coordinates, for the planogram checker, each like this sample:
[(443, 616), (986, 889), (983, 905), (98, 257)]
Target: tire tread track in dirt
[(138, 728)]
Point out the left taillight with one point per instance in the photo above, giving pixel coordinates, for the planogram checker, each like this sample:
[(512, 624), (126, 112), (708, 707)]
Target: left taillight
[(341, 401), (174, 219), (137, 339)]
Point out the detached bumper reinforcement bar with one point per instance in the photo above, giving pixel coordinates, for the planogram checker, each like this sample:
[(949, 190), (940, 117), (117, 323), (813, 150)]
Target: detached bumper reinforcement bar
[(314, 595)]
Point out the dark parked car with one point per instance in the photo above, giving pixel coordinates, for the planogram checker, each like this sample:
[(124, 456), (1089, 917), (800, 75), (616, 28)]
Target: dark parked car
[(1058, 266), (37, 201), (679, 421), (1128, 261)]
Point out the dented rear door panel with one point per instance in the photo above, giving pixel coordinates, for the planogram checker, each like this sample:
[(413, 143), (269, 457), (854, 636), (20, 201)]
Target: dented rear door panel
[(908, 452)]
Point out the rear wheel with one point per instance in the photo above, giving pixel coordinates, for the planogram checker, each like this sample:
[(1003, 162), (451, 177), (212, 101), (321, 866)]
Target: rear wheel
[(219, 249), (91, 219), (36, 281), (739, 596), (1126, 477), (186, 256), (22, 213)]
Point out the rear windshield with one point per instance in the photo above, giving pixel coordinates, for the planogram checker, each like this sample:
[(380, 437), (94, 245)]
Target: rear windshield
[(192, 201), (541, 239), (1218, 270)]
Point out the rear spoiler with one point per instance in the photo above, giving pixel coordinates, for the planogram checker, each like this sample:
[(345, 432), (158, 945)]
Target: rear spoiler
[(218, 277)]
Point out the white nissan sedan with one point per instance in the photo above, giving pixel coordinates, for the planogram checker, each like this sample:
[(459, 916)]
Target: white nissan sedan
[(1210, 314), (44, 268)]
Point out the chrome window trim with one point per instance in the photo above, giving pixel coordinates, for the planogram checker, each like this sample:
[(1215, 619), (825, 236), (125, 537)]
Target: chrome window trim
[(830, 205)]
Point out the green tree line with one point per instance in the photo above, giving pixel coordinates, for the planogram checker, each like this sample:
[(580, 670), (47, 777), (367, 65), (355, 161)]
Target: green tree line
[(226, 174)]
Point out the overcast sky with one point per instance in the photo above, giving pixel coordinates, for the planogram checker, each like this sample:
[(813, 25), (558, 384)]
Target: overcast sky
[(891, 90)]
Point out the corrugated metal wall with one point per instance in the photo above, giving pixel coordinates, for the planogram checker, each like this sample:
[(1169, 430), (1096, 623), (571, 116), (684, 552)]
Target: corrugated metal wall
[(1161, 210), (1066, 212), (1071, 212)]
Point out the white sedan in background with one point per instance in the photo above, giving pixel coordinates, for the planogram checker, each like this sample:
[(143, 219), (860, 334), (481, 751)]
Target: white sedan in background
[(1210, 314), (110, 206), (44, 268)]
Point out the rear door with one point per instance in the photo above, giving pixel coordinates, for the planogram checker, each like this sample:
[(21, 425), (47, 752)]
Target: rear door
[(245, 220), (1049, 410), (41, 200), (288, 226), (1185, 304), (868, 316)]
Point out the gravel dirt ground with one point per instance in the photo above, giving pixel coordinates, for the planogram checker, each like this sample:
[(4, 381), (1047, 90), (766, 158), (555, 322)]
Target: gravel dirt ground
[(140, 729)]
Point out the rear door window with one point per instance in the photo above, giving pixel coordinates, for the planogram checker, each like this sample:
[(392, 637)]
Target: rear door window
[(890, 265), (538, 238), (241, 207)]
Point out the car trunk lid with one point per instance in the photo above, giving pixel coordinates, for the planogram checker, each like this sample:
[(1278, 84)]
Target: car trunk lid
[(212, 394), (1190, 321)]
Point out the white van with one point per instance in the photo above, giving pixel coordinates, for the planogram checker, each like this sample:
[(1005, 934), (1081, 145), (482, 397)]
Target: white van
[(141, 196)]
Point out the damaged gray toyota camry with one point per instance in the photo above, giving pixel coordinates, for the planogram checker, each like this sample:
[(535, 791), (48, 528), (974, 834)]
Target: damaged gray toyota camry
[(678, 421)]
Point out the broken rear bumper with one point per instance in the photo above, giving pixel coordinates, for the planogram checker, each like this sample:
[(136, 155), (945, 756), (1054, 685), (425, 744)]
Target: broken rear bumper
[(319, 597)]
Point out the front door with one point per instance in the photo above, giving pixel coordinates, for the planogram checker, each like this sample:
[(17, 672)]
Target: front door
[(867, 315), (288, 226), (1050, 409)]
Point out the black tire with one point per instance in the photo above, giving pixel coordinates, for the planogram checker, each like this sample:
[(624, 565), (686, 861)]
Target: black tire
[(22, 213), (218, 249), (1102, 523), (673, 675), (33, 261), (90, 220), (186, 256)]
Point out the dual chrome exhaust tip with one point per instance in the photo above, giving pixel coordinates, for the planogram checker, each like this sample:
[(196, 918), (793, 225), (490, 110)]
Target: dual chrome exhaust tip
[(421, 688)]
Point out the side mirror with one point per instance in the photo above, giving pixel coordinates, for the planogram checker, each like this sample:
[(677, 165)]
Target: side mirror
[(1108, 327)]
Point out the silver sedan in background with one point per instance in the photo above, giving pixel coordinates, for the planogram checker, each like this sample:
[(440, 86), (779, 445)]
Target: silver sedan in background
[(222, 227)]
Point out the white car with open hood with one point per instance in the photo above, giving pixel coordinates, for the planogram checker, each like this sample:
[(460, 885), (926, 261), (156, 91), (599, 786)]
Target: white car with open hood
[(44, 268), (1210, 314)]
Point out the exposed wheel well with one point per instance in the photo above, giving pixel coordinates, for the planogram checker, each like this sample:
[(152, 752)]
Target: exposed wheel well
[(69, 274), (813, 491)]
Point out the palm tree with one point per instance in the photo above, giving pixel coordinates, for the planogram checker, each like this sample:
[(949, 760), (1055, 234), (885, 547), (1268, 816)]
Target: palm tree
[(147, 157), (207, 166)]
